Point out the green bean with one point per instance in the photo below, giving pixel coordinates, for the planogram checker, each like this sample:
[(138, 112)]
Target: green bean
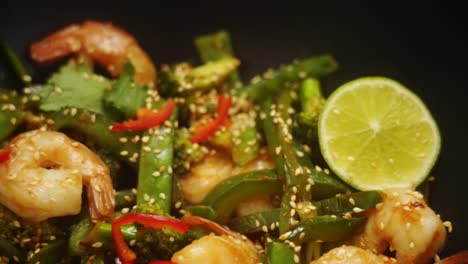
[(312, 102), (155, 177), (348, 203), (11, 117), (277, 80)]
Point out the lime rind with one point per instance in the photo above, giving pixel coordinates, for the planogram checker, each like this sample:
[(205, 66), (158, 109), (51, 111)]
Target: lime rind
[(414, 113)]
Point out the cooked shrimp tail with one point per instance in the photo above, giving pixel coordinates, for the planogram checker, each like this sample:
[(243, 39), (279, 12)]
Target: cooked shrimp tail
[(101, 203), (104, 43), (45, 174)]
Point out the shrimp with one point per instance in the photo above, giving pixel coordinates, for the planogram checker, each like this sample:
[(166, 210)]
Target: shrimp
[(213, 169), (217, 249), (44, 175), (404, 222), (352, 255), (104, 43)]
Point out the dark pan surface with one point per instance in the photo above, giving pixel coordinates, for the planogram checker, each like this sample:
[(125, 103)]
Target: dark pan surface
[(420, 46)]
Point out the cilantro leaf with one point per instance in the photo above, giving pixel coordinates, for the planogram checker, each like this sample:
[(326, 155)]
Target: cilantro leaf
[(74, 86), (126, 96)]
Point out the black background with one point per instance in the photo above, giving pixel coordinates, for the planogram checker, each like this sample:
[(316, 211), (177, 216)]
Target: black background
[(422, 46)]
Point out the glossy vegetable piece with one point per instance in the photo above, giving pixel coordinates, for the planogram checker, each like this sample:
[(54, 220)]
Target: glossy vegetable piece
[(215, 46), (226, 196), (349, 203), (51, 254), (155, 177), (279, 253), (276, 81), (4, 155), (325, 228), (253, 223), (202, 210), (312, 102)]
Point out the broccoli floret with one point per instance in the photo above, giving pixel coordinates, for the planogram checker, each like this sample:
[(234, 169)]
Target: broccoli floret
[(161, 244), (186, 152)]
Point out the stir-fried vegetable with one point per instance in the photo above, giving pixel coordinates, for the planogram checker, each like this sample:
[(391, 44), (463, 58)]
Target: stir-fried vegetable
[(190, 153)]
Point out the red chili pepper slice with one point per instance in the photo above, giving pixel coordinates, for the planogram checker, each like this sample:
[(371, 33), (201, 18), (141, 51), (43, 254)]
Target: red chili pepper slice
[(147, 119), (4, 155), (203, 132), (126, 255)]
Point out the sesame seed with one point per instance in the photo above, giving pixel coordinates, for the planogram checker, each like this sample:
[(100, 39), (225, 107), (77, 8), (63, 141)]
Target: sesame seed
[(97, 245), (257, 223), (301, 235), (278, 150), (285, 235), (296, 259), (125, 210), (449, 226), (146, 197), (351, 201), (16, 224), (162, 196), (52, 238), (357, 210), (317, 168), (123, 139), (124, 153), (265, 229), (132, 242), (436, 258), (411, 245)]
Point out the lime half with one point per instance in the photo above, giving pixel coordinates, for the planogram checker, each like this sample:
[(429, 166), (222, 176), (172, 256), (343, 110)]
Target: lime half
[(375, 134)]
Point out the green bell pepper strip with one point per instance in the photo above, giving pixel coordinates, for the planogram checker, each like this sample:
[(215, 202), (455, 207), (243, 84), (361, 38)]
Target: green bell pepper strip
[(204, 211), (97, 128), (14, 62), (253, 223), (248, 146), (276, 81), (212, 47), (124, 198), (9, 250), (226, 196), (326, 185), (348, 203), (155, 175), (325, 228), (53, 253), (279, 253)]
